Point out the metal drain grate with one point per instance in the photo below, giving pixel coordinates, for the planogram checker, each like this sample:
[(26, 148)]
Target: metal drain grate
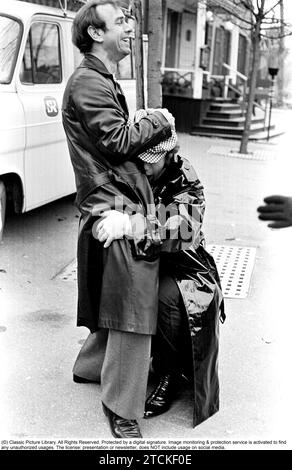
[(260, 155), (235, 265)]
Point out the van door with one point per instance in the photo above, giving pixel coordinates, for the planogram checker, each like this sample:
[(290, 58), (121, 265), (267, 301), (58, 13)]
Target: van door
[(48, 170)]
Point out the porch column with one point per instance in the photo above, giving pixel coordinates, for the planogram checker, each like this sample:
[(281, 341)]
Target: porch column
[(234, 52), (200, 40)]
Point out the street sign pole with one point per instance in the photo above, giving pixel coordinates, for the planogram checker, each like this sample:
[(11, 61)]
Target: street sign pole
[(273, 72), (270, 107)]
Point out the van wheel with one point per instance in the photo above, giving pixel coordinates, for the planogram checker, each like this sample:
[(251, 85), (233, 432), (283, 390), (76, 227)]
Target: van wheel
[(2, 207)]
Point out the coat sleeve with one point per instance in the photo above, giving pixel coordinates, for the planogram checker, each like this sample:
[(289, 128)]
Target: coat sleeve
[(106, 123), (174, 227)]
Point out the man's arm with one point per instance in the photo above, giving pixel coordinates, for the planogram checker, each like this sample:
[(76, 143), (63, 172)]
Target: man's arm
[(108, 125), (175, 227)]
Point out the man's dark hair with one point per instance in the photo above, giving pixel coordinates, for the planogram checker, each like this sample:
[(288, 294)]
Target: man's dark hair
[(86, 16)]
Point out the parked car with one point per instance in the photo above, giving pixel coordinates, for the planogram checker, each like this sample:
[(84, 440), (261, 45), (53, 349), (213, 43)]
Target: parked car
[(36, 59)]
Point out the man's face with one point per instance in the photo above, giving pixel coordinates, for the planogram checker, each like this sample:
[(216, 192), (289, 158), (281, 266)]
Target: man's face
[(116, 38)]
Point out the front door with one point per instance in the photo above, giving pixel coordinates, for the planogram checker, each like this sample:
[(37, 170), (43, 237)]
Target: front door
[(188, 41), (221, 51), (173, 18)]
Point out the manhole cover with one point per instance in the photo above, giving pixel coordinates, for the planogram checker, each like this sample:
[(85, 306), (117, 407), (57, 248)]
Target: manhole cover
[(235, 265), (261, 155)]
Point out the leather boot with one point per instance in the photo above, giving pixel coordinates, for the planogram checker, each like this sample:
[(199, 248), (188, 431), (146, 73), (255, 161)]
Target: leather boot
[(122, 428), (160, 400)]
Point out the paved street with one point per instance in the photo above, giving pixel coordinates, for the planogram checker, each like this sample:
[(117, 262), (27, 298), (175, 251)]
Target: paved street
[(39, 340)]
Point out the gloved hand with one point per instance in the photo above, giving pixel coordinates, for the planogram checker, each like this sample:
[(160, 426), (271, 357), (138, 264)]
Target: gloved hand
[(114, 225), (174, 222)]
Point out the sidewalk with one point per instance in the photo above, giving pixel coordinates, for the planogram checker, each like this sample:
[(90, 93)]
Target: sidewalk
[(42, 402)]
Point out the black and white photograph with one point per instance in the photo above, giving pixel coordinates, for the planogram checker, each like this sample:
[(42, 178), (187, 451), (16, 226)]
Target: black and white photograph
[(145, 202)]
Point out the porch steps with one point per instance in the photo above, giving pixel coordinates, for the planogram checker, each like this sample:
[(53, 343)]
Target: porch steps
[(226, 118)]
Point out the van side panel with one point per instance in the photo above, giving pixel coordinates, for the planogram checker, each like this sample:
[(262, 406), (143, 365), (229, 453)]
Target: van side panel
[(48, 170), (12, 134)]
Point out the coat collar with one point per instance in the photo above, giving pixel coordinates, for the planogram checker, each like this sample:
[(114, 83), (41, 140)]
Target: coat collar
[(94, 63)]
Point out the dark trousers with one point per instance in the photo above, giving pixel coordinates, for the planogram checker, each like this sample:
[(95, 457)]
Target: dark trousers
[(171, 346)]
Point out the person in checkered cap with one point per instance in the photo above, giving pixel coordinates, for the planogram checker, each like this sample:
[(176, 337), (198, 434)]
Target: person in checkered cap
[(185, 347)]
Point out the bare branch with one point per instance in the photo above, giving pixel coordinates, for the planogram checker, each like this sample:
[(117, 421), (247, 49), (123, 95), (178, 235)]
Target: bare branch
[(217, 5), (272, 8), (248, 5), (277, 36), (243, 4)]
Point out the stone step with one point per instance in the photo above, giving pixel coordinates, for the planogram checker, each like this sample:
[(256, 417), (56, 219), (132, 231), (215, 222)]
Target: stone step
[(225, 114), (223, 100), (224, 106), (231, 122)]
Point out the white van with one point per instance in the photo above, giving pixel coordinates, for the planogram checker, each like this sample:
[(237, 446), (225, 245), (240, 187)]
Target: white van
[(36, 59)]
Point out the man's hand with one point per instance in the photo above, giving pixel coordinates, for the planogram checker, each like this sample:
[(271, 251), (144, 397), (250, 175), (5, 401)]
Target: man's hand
[(114, 225), (278, 209), (165, 113)]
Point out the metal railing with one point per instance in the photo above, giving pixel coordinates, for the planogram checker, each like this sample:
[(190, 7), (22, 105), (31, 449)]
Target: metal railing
[(264, 108), (178, 81), (222, 78)]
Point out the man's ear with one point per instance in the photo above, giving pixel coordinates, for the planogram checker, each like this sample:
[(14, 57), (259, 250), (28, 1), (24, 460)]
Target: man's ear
[(95, 34)]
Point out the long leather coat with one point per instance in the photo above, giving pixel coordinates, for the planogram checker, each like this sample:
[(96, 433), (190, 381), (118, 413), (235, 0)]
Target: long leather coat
[(179, 194), (114, 289)]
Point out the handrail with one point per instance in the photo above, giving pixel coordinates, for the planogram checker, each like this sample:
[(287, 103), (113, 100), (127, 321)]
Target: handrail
[(240, 75), (225, 78), (183, 73), (255, 104), (242, 94)]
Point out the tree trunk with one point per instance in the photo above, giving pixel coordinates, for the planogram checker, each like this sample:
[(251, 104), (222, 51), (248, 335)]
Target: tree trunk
[(139, 62), (155, 40), (256, 37)]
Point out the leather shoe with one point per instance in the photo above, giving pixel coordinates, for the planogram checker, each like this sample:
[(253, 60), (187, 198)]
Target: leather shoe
[(82, 380), (122, 428), (160, 400)]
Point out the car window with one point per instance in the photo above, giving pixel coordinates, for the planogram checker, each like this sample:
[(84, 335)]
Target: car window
[(10, 31), (41, 62)]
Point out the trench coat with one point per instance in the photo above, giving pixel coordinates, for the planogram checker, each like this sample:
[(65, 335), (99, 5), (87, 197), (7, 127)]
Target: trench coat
[(179, 195), (114, 289)]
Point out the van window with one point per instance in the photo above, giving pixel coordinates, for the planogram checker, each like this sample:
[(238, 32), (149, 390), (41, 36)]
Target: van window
[(41, 62), (9, 41)]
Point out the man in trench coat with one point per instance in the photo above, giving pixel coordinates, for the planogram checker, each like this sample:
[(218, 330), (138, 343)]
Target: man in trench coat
[(117, 294), (190, 296)]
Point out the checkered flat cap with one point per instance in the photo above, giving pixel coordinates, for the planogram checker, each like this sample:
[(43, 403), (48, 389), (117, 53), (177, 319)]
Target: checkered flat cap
[(154, 154)]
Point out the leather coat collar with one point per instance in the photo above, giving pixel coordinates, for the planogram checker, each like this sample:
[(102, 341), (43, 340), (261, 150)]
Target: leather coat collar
[(92, 62)]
